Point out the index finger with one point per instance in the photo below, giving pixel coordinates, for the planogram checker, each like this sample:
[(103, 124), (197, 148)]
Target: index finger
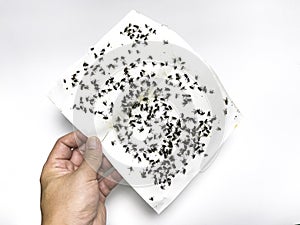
[(64, 145)]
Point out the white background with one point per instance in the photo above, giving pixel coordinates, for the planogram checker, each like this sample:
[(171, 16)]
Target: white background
[(253, 45)]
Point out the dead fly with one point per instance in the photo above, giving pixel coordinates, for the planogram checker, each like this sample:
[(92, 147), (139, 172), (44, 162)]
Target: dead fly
[(132, 65), (141, 129), (187, 77), (109, 66), (111, 107), (198, 111), (226, 101)]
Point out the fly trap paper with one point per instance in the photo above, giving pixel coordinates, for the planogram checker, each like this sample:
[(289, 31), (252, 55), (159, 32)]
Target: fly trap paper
[(158, 108)]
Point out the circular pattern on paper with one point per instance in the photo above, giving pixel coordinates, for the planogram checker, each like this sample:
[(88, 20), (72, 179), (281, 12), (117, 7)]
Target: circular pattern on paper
[(153, 100)]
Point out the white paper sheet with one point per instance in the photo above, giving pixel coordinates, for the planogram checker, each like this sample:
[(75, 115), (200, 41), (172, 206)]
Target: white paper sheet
[(158, 108)]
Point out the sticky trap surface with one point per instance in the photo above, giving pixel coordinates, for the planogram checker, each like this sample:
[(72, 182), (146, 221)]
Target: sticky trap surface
[(159, 110)]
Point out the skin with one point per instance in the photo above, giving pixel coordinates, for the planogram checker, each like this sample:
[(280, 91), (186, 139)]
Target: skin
[(73, 190)]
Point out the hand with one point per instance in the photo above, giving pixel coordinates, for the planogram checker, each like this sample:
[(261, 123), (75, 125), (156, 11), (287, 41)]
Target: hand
[(72, 192)]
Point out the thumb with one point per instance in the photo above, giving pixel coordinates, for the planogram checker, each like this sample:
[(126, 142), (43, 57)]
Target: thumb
[(92, 158)]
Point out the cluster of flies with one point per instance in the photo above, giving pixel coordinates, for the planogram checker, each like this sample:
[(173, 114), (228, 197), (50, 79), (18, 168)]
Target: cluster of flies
[(180, 137)]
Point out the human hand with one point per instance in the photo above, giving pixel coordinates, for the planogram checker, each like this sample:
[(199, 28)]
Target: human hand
[(72, 192)]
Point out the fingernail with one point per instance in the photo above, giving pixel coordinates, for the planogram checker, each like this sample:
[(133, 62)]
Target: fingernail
[(92, 143)]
